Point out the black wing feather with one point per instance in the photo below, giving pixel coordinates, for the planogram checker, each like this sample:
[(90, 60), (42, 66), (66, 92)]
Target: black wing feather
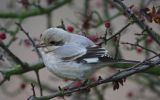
[(95, 52)]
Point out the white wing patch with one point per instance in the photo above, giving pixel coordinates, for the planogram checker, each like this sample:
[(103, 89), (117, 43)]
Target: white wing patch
[(91, 60)]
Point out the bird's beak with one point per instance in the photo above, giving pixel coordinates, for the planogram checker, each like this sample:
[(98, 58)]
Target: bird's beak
[(46, 47), (41, 44)]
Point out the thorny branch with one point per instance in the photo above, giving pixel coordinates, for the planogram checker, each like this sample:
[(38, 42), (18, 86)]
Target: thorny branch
[(27, 34), (120, 31), (117, 46), (117, 76), (14, 57), (33, 89), (34, 45), (140, 23), (32, 12), (140, 47), (39, 82)]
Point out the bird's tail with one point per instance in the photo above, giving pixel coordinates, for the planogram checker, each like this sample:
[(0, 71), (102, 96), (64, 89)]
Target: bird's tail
[(112, 60), (104, 62)]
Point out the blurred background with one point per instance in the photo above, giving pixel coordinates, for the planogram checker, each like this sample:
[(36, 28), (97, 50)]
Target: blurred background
[(87, 17)]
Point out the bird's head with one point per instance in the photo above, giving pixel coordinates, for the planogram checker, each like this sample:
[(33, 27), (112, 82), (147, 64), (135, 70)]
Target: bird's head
[(54, 37)]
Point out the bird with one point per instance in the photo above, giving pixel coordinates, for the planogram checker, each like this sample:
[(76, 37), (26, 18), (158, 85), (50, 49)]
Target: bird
[(71, 56)]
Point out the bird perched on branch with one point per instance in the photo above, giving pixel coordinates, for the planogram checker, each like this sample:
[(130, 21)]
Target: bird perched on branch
[(71, 56)]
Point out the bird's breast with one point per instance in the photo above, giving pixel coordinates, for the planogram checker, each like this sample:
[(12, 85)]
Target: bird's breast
[(68, 69)]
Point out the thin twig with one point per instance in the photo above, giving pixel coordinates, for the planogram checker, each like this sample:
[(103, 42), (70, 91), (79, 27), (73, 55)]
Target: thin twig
[(140, 23), (14, 57), (39, 82), (49, 17), (33, 90), (119, 32), (49, 20), (117, 46), (62, 25), (34, 45), (45, 86), (27, 34), (140, 47)]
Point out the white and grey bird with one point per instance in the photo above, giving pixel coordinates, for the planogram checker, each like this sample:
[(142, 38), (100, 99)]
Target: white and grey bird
[(72, 56)]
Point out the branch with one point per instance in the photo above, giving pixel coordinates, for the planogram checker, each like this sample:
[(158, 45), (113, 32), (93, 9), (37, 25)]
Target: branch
[(140, 23), (33, 86), (29, 80), (14, 57), (115, 77), (17, 70), (119, 32), (32, 12), (39, 82), (140, 47), (27, 34), (117, 47), (38, 53)]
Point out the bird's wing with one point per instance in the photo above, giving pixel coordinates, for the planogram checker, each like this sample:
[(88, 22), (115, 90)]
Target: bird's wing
[(71, 52), (89, 55), (81, 40), (94, 55)]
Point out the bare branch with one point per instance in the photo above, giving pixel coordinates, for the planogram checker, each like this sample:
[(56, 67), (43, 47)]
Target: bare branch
[(34, 93), (27, 34), (117, 76), (140, 47), (34, 45), (39, 82), (119, 32), (14, 57), (32, 12), (140, 23), (117, 46)]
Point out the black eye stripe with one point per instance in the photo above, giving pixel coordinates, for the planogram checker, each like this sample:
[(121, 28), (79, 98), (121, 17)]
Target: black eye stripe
[(56, 43), (52, 42)]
